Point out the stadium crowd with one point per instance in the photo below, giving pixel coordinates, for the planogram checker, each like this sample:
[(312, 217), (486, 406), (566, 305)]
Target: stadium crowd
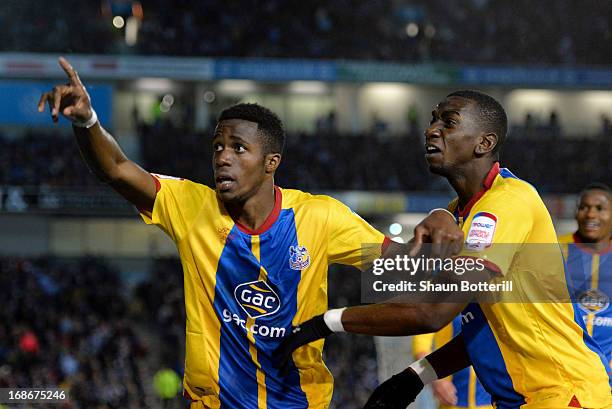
[(317, 162), (74, 324), (64, 324), (478, 31), (38, 159)]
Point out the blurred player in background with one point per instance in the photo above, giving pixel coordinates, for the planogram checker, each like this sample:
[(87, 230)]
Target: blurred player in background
[(254, 256), (588, 256), (527, 353), (460, 390)]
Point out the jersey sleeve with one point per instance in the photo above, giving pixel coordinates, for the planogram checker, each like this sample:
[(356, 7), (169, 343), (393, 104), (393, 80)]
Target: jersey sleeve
[(177, 205), (497, 228), (352, 240), (422, 344)]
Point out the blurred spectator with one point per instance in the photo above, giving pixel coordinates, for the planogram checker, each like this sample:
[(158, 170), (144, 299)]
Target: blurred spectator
[(327, 123), (554, 125), (28, 343), (606, 127)]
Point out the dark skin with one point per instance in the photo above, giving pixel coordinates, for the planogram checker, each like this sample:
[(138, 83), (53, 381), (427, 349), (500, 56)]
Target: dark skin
[(98, 147), (594, 217), (238, 155), (464, 151), (244, 173), (464, 155)]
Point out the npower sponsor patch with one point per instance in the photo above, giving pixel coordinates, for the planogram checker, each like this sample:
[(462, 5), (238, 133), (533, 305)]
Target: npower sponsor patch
[(482, 230)]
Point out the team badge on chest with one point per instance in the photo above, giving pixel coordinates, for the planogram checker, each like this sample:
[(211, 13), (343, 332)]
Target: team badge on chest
[(299, 258)]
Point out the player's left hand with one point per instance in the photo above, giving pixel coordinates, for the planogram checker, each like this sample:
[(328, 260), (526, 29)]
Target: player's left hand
[(397, 392), (441, 230), (305, 333)]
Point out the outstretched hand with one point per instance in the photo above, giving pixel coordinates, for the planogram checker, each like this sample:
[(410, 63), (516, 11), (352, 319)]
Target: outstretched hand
[(71, 99)]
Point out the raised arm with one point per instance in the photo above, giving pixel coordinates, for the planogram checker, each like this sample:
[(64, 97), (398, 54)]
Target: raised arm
[(98, 147)]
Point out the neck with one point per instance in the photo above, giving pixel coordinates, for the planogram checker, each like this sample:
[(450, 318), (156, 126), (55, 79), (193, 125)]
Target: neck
[(468, 180), (253, 212), (597, 245)]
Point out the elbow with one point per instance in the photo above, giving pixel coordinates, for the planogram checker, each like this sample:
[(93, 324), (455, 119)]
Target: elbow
[(103, 176), (433, 319), (110, 175)]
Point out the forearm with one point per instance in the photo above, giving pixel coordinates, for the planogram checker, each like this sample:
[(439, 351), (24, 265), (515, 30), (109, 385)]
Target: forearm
[(100, 151), (450, 358), (399, 319)]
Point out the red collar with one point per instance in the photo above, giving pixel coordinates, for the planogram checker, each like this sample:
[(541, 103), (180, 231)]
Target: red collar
[(272, 217), (589, 249), (488, 182)]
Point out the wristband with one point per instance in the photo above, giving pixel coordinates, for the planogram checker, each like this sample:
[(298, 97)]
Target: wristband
[(424, 370), (444, 210), (89, 123), (333, 319)]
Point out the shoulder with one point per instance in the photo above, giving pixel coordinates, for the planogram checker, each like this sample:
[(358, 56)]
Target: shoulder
[(299, 200), (508, 192), (183, 187)]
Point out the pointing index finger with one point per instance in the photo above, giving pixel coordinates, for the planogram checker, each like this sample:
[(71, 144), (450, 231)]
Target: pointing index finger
[(69, 70)]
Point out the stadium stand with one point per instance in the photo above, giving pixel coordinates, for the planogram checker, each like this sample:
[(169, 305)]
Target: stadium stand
[(82, 338), (478, 31), (315, 162)]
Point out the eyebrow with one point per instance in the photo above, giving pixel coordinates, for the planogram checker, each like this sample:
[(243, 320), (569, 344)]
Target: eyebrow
[(451, 112), (233, 137), (435, 113)]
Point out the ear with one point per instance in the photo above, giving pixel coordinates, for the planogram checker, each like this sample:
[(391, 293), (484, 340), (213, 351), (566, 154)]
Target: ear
[(272, 162), (486, 143)]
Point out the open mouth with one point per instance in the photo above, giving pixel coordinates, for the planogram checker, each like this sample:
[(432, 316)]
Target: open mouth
[(431, 150), (591, 225), (224, 182)]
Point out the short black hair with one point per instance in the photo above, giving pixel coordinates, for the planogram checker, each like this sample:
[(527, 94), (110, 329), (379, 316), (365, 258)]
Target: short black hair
[(492, 116), (595, 186), (269, 124)]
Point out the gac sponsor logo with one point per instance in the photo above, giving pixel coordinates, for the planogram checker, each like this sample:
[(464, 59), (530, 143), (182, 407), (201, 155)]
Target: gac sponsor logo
[(482, 230), (255, 329), (593, 301), (257, 299)]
